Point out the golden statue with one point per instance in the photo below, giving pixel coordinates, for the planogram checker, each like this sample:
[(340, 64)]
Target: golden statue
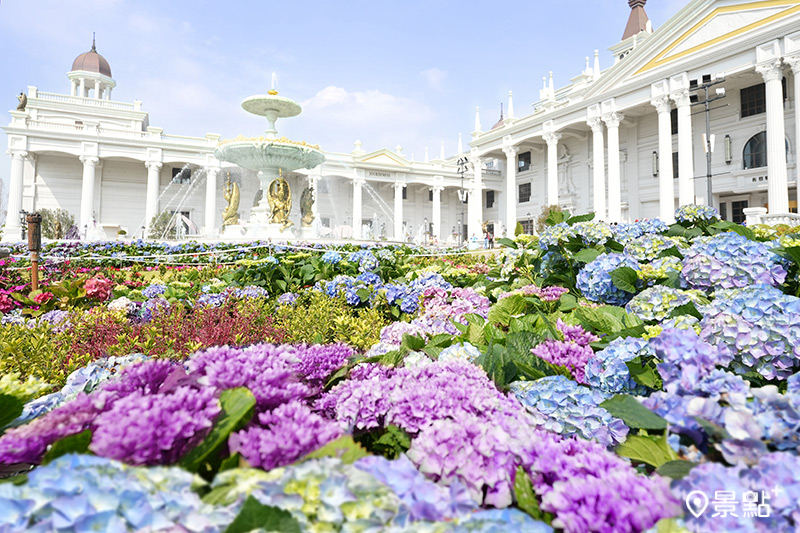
[(279, 197), (306, 207), (23, 102), (230, 215)]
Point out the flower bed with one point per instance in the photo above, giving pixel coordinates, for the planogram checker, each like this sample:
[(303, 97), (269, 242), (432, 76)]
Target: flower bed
[(600, 378)]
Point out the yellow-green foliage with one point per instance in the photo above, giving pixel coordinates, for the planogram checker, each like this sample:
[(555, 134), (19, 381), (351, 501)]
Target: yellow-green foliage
[(318, 318)]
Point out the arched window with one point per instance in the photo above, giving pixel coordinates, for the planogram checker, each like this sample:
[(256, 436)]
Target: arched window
[(755, 151)]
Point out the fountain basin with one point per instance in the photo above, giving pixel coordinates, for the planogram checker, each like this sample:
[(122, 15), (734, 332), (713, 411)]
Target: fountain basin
[(263, 153), (264, 105)]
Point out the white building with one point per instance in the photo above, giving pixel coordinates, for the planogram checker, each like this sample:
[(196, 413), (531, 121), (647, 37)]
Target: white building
[(102, 161), (628, 143), (625, 142)]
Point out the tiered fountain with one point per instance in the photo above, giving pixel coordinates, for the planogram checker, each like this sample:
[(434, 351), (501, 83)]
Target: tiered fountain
[(270, 156)]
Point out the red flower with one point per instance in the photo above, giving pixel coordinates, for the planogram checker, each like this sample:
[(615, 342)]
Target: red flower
[(98, 288), (43, 297)]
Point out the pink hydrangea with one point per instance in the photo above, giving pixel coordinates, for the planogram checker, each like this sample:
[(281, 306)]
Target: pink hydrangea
[(43, 297), (98, 288)]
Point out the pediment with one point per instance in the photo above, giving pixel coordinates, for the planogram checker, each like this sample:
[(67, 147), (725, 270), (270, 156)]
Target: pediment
[(721, 24), (384, 157)]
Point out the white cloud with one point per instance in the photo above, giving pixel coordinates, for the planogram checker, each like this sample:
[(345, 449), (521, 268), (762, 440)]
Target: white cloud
[(434, 77)]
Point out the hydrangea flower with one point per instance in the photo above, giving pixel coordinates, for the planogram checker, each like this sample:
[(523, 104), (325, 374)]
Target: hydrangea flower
[(556, 235), (649, 246), (593, 232), (759, 325), (463, 351), (315, 363), (156, 289), (366, 261), (288, 298), (607, 371), (594, 280), (331, 257), (686, 358), (285, 434), (693, 214), (560, 405), (730, 260), (573, 352), (87, 493), (657, 303), (98, 288)]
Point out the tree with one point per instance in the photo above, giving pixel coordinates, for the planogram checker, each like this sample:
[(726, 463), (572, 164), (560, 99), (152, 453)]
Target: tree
[(162, 226), (551, 215)]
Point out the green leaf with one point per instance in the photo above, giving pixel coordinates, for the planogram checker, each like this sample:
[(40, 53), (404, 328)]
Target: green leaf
[(633, 413), (237, 409), (526, 498), (507, 242), (502, 311), (687, 309), (599, 319), (256, 515), (726, 225), (498, 366), (78, 443), (344, 448), (414, 343), (676, 469), (389, 442), (567, 302), (587, 255), (363, 294), (10, 408), (671, 252), (645, 449), (715, 433), (580, 218), (625, 279), (645, 373)]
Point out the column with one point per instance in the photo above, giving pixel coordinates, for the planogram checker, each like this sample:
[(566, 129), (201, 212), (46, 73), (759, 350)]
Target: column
[(598, 167), (211, 200), (73, 88), (82, 88), (666, 189), (778, 194), (151, 203), (97, 89), (398, 211), (11, 232), (612, 121), (87, 190), (511, 189), (108, 93), (358, 183), (552, 166), (475, 202), (436, 217), (685, 149), (794, 62)]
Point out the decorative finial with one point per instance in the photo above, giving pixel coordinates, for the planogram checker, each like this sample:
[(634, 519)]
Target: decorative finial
[(636, 3), (94, 48), (501, 111), (510, 105)]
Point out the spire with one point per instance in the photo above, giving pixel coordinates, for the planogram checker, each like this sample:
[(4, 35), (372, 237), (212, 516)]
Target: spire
[(441, 151), (510, 105), (501, 111), (94, 48), (478, 120), (460, 146), (551, 87), (426, 154), (596, 71), (638, 20)]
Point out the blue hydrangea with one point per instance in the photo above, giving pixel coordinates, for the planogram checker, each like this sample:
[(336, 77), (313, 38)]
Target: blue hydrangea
[(331, 257), (560, 405), (88, 493), (552, 263), (366, 261), (759, 325), (556, 235), (211, 300), (154, 290), (288, 298), (730, 260), (251, 291), (696, 213), (606, 370), (594, 280), (624, 233), (685, 358), (653, 225), (461, 351)]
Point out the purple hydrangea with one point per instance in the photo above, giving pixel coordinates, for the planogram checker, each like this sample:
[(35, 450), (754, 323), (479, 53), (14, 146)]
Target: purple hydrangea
[(154, 290), (285, 434), (573, 352), (315, 363), (730, 260), (288, 298), (758, 325), (607, 370)]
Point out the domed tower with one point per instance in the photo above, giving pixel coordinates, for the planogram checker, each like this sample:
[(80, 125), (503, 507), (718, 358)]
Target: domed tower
[(90, 76)]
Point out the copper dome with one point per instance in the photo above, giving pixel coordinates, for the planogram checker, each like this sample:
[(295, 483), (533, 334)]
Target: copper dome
[(91, 61)]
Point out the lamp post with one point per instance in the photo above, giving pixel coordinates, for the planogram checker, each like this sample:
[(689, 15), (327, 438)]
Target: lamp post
[(708, 81), (462, 163)]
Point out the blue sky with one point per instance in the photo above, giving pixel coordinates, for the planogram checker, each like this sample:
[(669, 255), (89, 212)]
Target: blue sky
[(385, 72)]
